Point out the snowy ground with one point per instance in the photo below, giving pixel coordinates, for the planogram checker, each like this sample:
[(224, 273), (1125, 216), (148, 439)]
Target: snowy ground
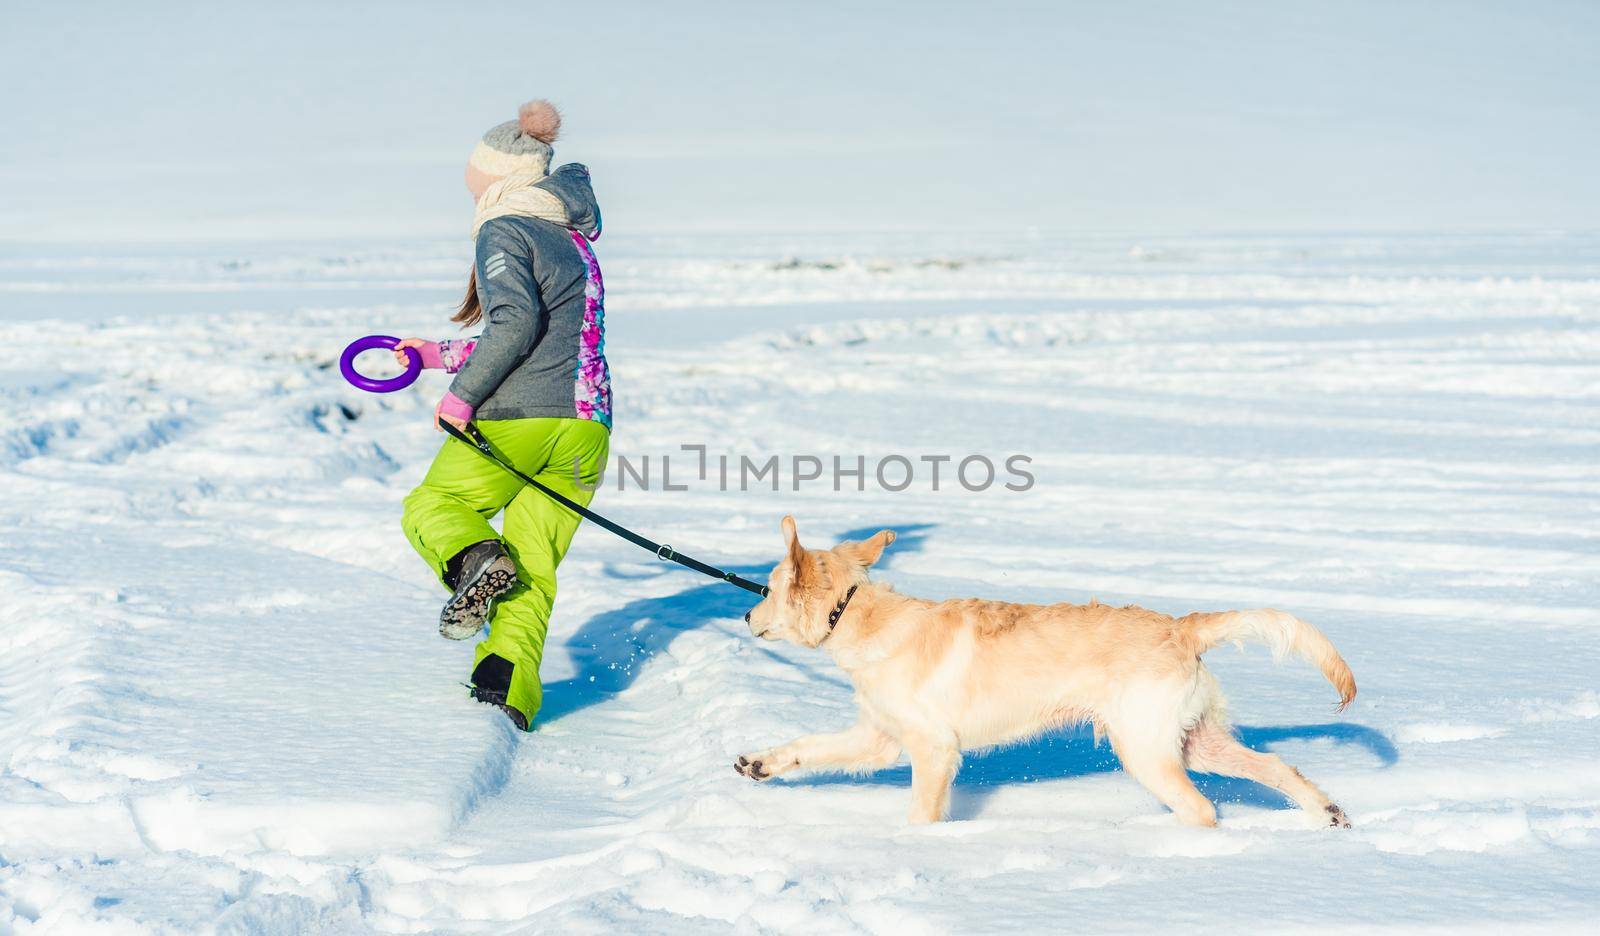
[(226, 706)]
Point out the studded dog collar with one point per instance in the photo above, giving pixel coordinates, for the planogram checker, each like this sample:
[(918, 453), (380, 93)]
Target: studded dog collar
[(838, 612)]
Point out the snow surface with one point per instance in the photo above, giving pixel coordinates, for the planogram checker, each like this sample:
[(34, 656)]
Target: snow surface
[(226, 706)]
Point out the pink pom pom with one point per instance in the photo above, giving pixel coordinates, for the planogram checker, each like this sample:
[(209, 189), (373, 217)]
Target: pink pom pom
[(540, 120)]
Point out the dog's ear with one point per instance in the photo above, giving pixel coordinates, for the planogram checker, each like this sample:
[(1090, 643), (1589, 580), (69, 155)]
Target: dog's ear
[(797, 553), (867, 551)]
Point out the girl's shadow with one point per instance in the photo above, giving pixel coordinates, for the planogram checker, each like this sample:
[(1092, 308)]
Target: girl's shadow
[(609, 648)]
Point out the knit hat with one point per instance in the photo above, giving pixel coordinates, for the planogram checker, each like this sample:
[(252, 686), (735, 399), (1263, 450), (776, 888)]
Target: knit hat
[(516, 147)]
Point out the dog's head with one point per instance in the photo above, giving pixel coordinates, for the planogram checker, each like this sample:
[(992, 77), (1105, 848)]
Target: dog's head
[(808, 583)]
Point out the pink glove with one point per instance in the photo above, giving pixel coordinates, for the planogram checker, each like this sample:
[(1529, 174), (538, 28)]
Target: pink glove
[(454, 410), (430, 355), (449, 355)]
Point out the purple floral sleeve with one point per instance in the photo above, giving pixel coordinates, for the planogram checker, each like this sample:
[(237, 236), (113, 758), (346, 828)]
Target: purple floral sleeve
[(593, 387), (453, 353)]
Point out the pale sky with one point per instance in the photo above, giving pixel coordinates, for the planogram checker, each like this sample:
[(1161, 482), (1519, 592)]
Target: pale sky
[(151, 122)]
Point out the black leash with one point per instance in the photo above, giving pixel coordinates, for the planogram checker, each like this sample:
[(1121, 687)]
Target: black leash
[(475, 439)]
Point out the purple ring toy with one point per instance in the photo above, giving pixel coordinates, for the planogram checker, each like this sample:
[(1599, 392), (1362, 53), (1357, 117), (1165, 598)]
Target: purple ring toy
[(347, 365)]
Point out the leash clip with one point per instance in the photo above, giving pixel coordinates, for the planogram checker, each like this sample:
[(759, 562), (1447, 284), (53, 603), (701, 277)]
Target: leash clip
[(667, 549)]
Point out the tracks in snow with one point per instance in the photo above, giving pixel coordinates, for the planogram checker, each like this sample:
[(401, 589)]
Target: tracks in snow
[(245, 726)]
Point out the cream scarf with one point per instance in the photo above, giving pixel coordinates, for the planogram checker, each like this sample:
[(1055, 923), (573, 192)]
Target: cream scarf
[(516, 195)]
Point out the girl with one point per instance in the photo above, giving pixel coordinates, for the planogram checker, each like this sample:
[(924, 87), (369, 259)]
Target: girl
[(536, 383)]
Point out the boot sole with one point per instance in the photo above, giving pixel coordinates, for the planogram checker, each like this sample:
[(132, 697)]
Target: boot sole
[(465, 613)]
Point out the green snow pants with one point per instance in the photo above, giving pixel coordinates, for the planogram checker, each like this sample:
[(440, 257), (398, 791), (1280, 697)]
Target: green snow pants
[(450, 511)]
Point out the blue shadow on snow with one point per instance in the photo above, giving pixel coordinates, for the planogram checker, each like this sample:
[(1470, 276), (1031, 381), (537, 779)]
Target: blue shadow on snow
[(1072, 753), (609, 648)]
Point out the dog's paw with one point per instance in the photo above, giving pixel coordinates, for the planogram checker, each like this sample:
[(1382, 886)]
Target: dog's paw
[(751, 766), (1336, 818)]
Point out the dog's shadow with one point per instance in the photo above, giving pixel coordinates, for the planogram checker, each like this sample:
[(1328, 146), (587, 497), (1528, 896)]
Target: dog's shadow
[(609, 649), (1073, 753)]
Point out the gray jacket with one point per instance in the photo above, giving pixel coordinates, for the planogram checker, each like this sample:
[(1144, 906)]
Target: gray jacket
[(542, 350)]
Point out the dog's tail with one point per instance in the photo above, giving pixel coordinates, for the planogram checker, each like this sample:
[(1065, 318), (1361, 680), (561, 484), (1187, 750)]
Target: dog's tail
[(1284, 633)]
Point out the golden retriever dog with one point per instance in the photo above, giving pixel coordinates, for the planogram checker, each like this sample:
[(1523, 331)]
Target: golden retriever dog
[(934, 678)]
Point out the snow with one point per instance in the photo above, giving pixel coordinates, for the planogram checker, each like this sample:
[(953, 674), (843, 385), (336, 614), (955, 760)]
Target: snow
[(226, 706)]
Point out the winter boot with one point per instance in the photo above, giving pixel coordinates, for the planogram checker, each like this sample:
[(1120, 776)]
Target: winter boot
[(491, 680), (479, 574)]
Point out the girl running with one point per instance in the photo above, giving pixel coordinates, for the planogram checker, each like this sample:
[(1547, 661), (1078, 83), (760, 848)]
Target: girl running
[(536, 385)]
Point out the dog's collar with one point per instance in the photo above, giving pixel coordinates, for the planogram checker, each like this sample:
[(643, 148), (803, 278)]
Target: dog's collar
[(838, 612)]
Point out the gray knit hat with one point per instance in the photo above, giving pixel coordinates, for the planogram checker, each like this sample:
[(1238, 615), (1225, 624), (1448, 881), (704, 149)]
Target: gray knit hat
[(521, 146)]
